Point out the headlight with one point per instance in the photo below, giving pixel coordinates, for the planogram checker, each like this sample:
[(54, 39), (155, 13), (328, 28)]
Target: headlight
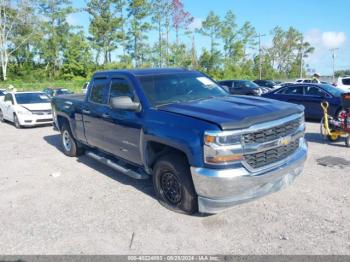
[(221, 148), (23, 111)]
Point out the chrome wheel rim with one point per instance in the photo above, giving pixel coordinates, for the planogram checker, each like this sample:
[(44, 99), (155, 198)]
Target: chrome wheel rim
[(1, 116), (67, 141)]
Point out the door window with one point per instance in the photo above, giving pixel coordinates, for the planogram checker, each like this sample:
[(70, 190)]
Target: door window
[(99, 91), (293, 90), (8, 97), (120, 87), (314, 91)]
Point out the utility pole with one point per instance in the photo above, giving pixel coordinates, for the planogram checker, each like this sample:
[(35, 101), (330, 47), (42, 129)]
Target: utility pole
[(333, 58), (301, 58), (260, 53)]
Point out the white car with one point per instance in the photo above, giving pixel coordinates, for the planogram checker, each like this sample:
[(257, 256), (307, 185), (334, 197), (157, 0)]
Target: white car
[(344, 83), (26, 109), (2, 94), (307, 81)]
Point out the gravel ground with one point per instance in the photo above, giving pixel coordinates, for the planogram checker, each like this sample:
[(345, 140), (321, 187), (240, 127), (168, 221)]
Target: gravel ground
[(52, 204)]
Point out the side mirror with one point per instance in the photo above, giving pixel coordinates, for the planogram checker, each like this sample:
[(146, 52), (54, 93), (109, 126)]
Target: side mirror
[(125, 103)]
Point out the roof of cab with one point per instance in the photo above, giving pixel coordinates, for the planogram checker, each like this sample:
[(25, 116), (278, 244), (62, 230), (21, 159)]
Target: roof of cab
[(145, 71)]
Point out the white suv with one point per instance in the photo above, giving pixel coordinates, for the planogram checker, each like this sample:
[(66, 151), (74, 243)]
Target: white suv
[(344, 83)]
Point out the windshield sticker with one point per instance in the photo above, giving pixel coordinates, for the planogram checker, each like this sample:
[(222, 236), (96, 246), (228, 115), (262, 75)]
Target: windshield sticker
[(206, 81)]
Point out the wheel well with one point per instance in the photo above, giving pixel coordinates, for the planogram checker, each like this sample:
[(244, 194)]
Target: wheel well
[(61, 120), (155, 150)]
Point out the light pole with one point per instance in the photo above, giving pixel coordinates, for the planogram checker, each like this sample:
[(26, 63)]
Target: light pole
[(333, 58), (260, 60), (301, 58)]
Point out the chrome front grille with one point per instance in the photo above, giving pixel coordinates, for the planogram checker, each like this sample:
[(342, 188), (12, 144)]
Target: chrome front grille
[(271, 156), (270, 134)]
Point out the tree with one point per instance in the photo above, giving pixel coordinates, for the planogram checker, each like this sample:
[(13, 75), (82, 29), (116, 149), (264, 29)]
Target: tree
[(14, 17), (106, 26), (181, 18), (211, 27), (229, 34), (138, 11), (287, 50), (160, 11), (55, 29), (77, 58)]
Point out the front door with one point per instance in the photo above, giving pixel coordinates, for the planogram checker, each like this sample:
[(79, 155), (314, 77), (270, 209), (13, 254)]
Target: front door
[(8, 104), (123, 127)]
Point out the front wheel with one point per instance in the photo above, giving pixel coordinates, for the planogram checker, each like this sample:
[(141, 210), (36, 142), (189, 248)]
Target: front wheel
[(347, 141), (173, 184), (16, 122), (70, 145), (2, 116)]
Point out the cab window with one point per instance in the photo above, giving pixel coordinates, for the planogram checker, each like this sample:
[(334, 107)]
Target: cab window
[(99, 91), (121, 87)]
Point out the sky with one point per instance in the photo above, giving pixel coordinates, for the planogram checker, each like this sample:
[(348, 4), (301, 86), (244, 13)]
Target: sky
[(324, 23)]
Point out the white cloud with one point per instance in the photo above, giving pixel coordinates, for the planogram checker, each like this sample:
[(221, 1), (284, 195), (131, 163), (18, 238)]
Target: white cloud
[(321, 59), (333, 39), (196, 24)]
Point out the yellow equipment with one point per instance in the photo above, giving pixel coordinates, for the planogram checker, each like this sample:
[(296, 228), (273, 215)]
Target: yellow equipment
[(334, 129)]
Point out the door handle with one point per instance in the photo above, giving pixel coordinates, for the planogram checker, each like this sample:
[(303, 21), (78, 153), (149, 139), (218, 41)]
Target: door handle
[(106, 115), (87, 112)]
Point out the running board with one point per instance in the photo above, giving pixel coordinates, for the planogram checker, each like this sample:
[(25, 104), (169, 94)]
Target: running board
[(117, 167)]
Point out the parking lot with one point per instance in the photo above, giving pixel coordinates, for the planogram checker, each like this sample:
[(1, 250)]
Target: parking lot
[(52, 204)]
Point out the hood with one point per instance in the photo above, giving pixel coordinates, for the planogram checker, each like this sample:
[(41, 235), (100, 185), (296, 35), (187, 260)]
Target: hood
[(40, 106), (235, 112)]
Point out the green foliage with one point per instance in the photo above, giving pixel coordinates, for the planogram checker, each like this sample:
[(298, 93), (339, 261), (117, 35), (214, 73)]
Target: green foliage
[(119, 38), (77, 59)]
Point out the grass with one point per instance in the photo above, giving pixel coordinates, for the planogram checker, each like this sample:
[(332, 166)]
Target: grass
[(21, 85)]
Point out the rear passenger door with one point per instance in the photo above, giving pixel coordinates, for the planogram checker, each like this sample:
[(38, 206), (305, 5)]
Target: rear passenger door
[(313, 98), (94, 111), (123, 127)]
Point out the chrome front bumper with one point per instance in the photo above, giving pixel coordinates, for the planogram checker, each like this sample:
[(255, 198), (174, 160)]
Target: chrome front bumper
[(219, 189)]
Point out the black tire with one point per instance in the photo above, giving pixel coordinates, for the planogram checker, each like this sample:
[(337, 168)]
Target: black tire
[(347, 141), (70, 146), (1, 116), (16, 122), (173, 184)]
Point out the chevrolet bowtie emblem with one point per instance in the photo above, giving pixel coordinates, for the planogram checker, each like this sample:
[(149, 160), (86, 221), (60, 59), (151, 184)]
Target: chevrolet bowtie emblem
[(285, 141)]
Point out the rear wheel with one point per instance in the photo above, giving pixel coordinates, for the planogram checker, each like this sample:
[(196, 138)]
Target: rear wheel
[(70, 145), (16, 121), (347, 141), (173, 184), (2, 116)]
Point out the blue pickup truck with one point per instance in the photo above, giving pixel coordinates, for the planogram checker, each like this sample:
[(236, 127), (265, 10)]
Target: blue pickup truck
[(204, 149)]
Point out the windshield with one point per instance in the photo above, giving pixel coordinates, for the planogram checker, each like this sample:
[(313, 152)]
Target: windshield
[(32, 98), (335, 91), (180, 87)]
